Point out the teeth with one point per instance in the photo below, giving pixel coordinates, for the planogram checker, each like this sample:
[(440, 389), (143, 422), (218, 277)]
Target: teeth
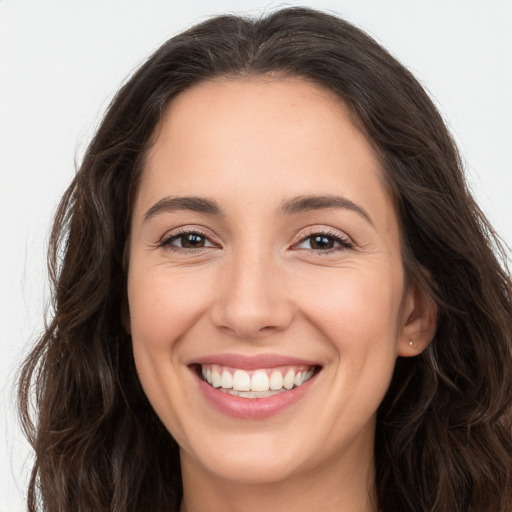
[(252, 394), (255, 384), (260, 381), (289, 379), (216, 378), (241, 381), (227, 380), (276, 380)]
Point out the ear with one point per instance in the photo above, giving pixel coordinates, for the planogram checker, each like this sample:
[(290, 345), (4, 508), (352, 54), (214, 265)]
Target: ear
[(418, 322)]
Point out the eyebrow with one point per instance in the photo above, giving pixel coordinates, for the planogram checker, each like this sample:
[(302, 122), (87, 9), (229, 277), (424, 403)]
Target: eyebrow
[(195, 204), (298, 204), (314, 202)]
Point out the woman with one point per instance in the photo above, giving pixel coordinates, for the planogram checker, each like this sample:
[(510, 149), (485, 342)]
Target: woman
[(273, 290)]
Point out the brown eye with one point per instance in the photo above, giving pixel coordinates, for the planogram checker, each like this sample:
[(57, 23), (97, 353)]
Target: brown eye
[(192, 241), (188, 240), (322, 242)]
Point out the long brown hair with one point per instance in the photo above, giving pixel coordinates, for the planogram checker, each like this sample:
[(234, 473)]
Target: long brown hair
[(444, 435)]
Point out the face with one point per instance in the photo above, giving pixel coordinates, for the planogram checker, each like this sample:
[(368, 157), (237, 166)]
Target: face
[(265, 286)]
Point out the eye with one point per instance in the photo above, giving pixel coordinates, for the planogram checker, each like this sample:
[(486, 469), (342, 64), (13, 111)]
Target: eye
[(324, 242), (187, 240)]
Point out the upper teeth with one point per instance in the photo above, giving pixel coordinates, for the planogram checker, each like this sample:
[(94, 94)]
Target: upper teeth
[(275, 379)]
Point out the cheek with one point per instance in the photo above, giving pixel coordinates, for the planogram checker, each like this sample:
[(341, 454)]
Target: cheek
[(163, 305), (356, 313), (163, 308), (354, 308), (357, 316)]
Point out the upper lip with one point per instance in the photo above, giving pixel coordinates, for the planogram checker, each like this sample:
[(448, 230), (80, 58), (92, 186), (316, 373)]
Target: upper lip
[(253, 362)]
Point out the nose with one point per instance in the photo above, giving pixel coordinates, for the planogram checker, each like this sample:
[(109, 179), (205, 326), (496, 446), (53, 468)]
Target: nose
[(252, 300)]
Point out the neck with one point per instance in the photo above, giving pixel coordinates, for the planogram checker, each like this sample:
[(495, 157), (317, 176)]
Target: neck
[(350, 488)]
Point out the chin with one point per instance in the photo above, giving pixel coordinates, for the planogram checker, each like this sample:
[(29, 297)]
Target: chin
[(254, 465)]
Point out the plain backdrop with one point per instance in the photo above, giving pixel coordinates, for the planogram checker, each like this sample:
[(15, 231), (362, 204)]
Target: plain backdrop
[(61, 62)]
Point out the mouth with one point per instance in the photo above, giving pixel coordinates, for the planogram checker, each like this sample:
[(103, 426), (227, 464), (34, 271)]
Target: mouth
[(255, 383), (254, 387)]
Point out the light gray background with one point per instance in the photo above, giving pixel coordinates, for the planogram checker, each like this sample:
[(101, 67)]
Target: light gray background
[(60, 63)]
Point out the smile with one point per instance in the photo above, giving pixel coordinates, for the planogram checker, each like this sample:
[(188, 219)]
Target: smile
[(259, 383), (254, 387)]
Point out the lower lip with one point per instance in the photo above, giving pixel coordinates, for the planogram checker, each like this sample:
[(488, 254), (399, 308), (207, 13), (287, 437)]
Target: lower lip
[(253, 408)]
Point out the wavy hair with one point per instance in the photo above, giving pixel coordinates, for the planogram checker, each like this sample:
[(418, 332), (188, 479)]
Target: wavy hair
[(444, 435)]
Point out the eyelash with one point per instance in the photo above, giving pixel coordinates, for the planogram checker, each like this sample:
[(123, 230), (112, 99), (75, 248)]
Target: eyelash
[(344, 242), (167, 241)]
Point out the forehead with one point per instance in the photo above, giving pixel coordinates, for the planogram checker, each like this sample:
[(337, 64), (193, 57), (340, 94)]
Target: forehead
[(268, 100), (285, 136)]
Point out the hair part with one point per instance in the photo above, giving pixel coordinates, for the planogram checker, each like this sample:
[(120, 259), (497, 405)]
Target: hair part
[(443, 438)]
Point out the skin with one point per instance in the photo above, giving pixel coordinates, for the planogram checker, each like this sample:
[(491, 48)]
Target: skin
[(258, 285)]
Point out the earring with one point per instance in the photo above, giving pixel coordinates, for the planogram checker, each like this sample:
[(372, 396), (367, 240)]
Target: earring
[(411, 343)]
